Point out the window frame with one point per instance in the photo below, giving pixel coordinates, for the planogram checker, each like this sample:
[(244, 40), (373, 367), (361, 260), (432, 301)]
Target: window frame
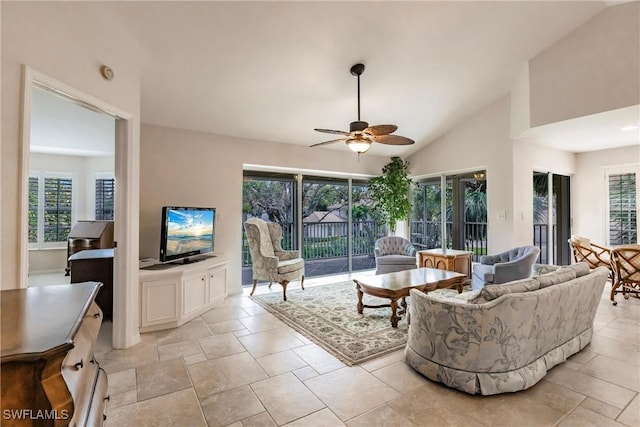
[(42, 176)]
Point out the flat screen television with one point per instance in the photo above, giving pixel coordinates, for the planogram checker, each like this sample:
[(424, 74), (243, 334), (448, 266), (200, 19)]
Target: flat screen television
[(186, 232)]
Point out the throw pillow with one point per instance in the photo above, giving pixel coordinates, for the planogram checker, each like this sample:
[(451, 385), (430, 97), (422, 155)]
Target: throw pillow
[(491, 292), (563, 274)]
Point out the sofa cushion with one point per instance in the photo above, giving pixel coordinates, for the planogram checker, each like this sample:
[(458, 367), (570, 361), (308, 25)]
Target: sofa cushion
[(563, 274), (396, 259), (491, 292), (581, 268)]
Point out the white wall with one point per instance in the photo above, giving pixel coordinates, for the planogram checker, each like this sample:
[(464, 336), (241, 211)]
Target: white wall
[(188, 168), (589, 189), (481, 142), (39, 34), (593, 69)]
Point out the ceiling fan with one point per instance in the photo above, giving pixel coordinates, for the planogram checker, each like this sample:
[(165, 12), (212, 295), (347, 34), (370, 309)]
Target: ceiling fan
[(361, 135)]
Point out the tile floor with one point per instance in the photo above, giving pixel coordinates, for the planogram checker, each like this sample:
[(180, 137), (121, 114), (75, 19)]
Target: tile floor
[(239, 366)]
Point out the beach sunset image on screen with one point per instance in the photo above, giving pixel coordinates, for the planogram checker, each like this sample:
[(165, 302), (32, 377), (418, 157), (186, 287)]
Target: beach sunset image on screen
[(189, 230)]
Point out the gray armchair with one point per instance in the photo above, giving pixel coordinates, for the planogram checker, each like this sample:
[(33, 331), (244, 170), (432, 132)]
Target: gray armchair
[(504, 267), (394, 253), (270, 261)]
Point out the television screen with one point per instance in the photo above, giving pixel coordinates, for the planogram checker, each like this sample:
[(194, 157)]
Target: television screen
[(186, 232)]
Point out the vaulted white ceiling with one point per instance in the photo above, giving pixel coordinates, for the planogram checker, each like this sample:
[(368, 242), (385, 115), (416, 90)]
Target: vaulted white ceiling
[(274, 71)]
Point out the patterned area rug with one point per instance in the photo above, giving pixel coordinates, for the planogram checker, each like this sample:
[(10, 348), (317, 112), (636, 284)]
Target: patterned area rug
[(328, 316)]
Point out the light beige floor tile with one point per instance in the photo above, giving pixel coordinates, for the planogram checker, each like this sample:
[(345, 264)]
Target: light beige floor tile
[(302, 338), (286, 398), (122, 381), (269, 342), (178, 349), (305, 373), (554, 395), (318, 359), (223, 314), (634, 359), (321, 418), (610, 347), (382, 361), (350, 392), (189, 331), (590, 386), (586, 418), (161, 378), (626, 335), (279, 363), (400, 376), (261, 420), (583, 357), (261, 323), (121, 399), (225, 373), (138, 355), (613, 371), (220, 345), (241, 333), (381, 416), (177, 409), (229, 406), (601, 408), (253, 309), (194, 358), (631, 414), (226, 326)]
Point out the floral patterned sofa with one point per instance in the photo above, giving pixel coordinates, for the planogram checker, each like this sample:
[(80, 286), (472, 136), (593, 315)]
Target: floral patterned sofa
[(504, 338)]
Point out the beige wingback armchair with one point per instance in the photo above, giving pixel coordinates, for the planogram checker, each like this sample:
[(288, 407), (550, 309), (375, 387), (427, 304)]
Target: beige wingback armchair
[(270, 261)]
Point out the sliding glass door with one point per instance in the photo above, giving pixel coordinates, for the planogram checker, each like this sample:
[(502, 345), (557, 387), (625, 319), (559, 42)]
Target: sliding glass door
[(331, 220), (463, 204), (552, 217)]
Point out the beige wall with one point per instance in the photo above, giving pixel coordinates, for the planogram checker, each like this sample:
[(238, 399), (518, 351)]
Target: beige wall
[(188, 168), (481, 142), (589, 189), (71, 51), (593, 69)]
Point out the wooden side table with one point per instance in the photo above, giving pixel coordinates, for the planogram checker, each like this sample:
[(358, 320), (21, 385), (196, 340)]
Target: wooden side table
[(450, 259)]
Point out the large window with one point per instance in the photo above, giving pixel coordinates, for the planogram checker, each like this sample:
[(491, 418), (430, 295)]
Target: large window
[(105, 193), (623, 209), (50, 209)]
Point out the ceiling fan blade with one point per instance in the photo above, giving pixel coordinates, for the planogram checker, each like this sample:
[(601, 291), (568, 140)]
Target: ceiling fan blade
[(337, 132), (379, 130), (328, 142), (393, 140)]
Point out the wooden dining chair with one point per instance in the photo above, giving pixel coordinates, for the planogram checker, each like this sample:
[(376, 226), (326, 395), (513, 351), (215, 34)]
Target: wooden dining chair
[(626, 266), (584, 250)]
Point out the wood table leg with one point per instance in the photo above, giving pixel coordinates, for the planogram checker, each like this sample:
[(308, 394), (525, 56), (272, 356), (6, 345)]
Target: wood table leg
[(360, 305), (394, 316)]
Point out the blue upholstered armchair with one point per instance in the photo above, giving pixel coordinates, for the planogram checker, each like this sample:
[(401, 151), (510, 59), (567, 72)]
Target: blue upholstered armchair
[(504, 267), (393, 254)]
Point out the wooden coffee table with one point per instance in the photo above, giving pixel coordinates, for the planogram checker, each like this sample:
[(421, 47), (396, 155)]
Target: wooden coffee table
[(397, 285)]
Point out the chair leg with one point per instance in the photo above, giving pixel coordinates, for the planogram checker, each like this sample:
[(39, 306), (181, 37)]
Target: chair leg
[(270, 283), (255, 282), (284, 284), (302, 282)]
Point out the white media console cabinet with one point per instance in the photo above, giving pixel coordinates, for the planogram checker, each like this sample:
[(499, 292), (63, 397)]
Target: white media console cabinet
[(173, 294)]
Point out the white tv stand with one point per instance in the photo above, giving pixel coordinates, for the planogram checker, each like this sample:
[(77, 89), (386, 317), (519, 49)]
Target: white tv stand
[(173, 294)]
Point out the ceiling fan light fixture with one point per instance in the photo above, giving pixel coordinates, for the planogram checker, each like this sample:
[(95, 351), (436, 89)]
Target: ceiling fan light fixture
[(359, 146)]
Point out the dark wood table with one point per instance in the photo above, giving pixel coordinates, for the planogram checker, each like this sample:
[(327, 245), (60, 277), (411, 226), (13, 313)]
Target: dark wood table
[(395, 286)]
